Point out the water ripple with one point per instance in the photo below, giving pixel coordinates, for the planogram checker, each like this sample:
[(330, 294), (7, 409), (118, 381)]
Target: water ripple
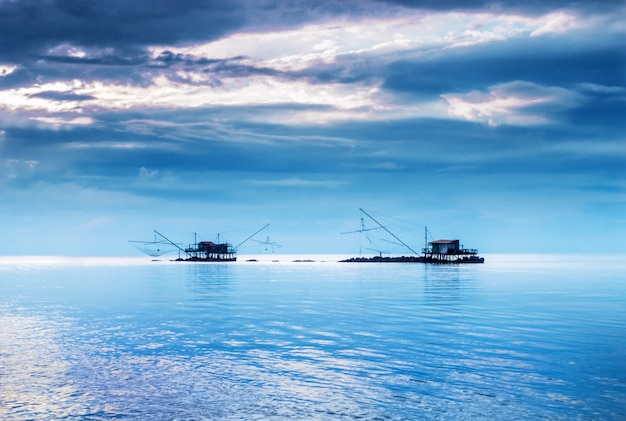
[(311, 341)]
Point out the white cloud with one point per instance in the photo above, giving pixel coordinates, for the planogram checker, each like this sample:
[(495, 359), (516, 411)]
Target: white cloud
[(515, 103), (15, 168), (6, 70), (60, 121), (148, 174), (164, 92), (557, 22), (594, 87), (108, 145), (391, 166), (298, 182), (68, 51), (27, 99), (309, 45)]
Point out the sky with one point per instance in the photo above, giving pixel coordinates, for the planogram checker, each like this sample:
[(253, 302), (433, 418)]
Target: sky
[(499, 123)]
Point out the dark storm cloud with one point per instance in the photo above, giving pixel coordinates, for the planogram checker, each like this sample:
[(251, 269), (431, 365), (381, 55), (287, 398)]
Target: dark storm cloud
[(554, 60), (119, 59), (30, 27), (229, 67), (113, 35), (528, 6)]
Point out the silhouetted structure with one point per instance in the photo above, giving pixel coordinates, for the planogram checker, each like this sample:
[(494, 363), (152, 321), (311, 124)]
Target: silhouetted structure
[(203, 251), (450, 251), (208, 251), (440, 251)]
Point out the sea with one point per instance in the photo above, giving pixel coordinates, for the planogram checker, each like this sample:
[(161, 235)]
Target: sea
[(293, 337)]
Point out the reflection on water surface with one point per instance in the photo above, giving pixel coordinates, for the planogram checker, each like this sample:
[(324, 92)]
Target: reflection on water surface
[(520, 337)]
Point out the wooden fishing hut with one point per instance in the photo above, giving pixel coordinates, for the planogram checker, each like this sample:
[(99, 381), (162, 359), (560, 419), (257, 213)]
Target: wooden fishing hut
[(450, 251), (210, 251)]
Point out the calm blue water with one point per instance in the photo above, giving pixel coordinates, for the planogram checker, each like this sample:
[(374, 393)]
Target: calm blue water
[(520, 337)]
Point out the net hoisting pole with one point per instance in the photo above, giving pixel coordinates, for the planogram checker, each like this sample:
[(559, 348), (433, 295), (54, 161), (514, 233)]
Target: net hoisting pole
[(171, 242), (391, 233), (265, 226)]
